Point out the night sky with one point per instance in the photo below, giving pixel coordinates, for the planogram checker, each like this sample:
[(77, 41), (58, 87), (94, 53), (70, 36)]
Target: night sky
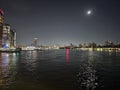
[(63, 21)]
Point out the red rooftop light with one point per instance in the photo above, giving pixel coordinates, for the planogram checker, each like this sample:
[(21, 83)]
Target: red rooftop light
[(1, 11)]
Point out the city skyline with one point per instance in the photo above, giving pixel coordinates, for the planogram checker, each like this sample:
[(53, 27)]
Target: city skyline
[(63, 22)]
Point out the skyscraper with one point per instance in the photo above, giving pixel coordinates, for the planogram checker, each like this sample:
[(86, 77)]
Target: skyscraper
[(13, 38), (35, 42), (1, 25), (8, 37)]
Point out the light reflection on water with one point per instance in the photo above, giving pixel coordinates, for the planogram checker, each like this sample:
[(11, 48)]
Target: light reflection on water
[(60, 70), (7, 69), (67, 55), (28, 61)]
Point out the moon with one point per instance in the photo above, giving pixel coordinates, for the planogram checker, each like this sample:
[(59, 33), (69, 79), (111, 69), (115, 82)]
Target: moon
[(89, 12)]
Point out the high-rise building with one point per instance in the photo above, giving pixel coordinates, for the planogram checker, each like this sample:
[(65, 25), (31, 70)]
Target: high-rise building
[(35, 42), (8, 37), (13, 38), (1, 25)]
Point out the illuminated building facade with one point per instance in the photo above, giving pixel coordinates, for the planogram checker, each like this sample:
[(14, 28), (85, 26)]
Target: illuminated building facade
[(1, 25), (8, 37)]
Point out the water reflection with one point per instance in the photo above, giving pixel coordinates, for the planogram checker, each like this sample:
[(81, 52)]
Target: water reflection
[(31, 55), (7, 69), (67, 53), (36, 69), (86, 77), (29, 59)]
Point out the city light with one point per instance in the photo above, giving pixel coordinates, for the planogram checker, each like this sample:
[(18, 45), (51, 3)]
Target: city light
[(5, 46)]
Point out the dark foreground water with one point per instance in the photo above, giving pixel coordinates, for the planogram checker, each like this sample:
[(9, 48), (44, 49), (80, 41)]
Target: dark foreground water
[(60, 70)]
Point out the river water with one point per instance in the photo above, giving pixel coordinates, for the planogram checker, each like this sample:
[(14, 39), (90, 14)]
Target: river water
[(60, 70)]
